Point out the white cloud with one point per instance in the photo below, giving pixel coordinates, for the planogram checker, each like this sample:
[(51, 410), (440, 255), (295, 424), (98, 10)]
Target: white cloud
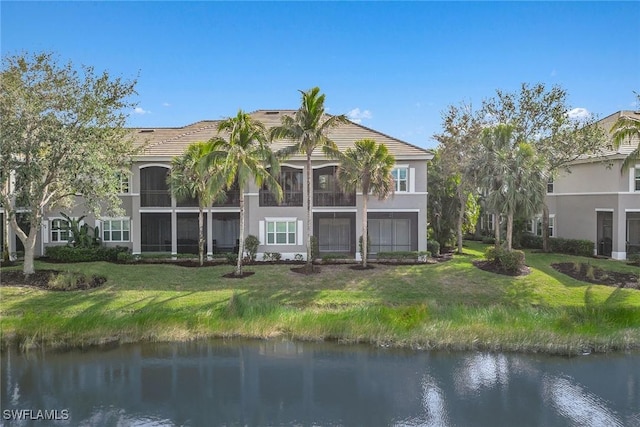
[(166, 104), (141, 111), (356, 115), (579, 114)]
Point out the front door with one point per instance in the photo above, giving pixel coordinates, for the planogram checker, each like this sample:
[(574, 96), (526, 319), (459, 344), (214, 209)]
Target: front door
[(605, 233)]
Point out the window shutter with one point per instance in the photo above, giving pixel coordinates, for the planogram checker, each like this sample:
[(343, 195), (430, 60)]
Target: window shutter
[(412, 180), (261, 234), (45, 231), (300, 232)]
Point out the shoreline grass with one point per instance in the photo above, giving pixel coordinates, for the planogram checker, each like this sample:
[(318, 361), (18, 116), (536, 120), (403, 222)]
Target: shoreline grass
[(452, 305)]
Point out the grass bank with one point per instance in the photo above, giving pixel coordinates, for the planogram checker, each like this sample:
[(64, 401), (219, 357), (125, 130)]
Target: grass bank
[(452, 305)]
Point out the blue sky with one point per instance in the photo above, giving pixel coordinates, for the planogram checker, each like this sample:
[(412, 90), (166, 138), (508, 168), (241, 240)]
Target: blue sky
[(394, 66)]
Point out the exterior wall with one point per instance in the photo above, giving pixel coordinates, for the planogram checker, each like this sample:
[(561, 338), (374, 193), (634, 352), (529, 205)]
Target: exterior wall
[(413, 202), (593, 177), (592, 188)]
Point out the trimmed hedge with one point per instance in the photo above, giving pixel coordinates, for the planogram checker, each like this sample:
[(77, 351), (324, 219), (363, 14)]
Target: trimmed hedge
[(433, 246), (413, 255), (71, 254), (508, 261), (559, 245)]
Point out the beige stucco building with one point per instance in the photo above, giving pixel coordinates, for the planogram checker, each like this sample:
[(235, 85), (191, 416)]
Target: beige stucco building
[(154, 221), (598, 200)]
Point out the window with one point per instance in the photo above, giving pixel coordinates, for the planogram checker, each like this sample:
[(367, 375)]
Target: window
[(489, 219), (400, 179), (550, 185), (531, 226), (123, 187), (59, 230), (637, 186), (115, 230), (281, 232), (538, 221)]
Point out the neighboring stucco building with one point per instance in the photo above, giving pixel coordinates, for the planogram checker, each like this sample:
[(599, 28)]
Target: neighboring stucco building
[(153, 221), (599, 202)]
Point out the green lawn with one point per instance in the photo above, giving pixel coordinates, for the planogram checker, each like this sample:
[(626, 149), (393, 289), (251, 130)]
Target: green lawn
[(448, 305)]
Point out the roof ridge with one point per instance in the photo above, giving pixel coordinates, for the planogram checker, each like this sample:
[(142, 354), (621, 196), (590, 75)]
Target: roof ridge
[(391, 137), (191, 132)]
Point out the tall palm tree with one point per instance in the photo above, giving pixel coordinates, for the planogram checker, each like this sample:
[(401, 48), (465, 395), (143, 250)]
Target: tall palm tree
[(308, 128), (366, 167), (513, 176), (627, 128), (244, 156), (188, 179)]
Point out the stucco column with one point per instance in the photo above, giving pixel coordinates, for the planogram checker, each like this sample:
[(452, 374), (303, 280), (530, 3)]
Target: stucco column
[(209, 220), (174, 232)]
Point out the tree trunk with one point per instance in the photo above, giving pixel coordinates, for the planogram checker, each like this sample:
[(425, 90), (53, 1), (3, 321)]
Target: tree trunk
[(509, 236), (496, 229), (309, 263), (545, 228), (201, 236), (463, 205), (6, 255), (365, 233), (238, 271), (28, 241)]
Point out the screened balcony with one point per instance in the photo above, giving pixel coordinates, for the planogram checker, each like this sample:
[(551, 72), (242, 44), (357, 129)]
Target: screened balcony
[(291, 182), (327, 192), (154, 191)]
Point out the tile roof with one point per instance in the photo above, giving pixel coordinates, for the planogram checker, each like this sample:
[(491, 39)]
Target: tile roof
[(627, 146), (170, 142)]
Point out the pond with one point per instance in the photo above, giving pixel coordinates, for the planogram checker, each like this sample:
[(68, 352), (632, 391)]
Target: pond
[(258, 383)]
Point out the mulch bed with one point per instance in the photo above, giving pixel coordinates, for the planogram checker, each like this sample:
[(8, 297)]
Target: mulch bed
[(600, 276), (40, 279), (306, 271), (360, 267), (494, 268), (244, 274)]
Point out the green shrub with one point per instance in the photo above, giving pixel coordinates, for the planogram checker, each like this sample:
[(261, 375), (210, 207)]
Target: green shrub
[(404, 255), (271, 256), (571, 246), (124, 257), (69, 281), (433, 246), (507, 261), (80, 254), (298, 257), (489, 240), (232, 258), (559, 245), (332, 257), (634, 259), (530, 241), (251, 246)]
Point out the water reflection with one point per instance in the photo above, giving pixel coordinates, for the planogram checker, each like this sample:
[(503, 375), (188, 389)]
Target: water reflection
[(286, 383)]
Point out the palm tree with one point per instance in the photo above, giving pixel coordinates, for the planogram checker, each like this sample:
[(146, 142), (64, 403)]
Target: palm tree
[(366, 167), (189, 179), (513, 176), (627, 128), (243, 157), (308, 128)]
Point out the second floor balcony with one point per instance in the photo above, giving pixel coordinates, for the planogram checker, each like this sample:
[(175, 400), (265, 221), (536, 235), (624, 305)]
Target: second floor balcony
[(333, 198), (155, 198), (289, 198)]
